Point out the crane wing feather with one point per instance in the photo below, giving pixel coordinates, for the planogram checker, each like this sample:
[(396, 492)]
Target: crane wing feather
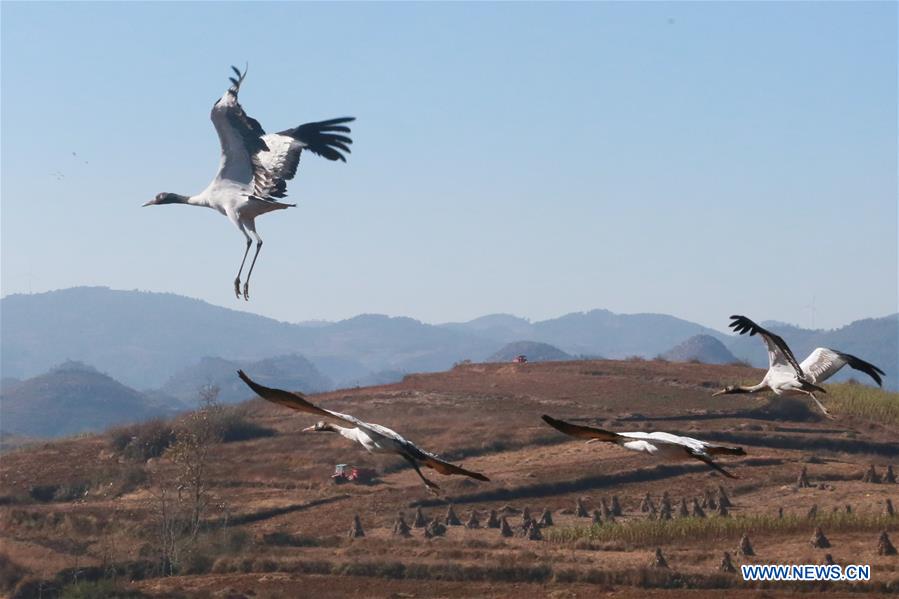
[(442, 466), (278, 163), (708, 460), (779, 353), (582, 432), (240, 135), (823, 363), (268, 161), (296, 401)]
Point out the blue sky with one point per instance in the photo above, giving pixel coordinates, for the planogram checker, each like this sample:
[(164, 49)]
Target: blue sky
[(692, 159)]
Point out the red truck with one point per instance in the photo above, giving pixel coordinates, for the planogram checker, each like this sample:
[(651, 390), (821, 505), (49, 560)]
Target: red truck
[(344, 473)]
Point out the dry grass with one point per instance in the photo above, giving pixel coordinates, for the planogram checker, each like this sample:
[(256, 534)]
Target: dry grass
[(864, 401), (645, 533), (91, 505)]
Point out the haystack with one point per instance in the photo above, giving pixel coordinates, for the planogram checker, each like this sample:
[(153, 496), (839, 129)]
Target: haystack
[(871, 475), (819, 540), (356, 531), (607, 514), (802, 481), (726, 564), (683, 512), (504, 528), (435, 529), (616, 506), (526, 517), (546, 518), (665, 501), (746, 546), (451, 519), (659, 560), (889, 477), (533, 533), (698, 512), (473, 521), (400, 528), (723, 498), (493, 520), (579, 510), (420, 521), (884, 545), (665, 511)]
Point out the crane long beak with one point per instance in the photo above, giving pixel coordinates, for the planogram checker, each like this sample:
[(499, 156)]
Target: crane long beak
[(716, 393), (150, 203), (309, 429)]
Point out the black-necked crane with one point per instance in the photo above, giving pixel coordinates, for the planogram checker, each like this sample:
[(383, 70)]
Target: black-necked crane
[(256, 166), (786, 376), (373, 437), (657, 444)]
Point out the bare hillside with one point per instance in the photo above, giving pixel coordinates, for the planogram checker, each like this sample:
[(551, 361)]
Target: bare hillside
[(276, 520)]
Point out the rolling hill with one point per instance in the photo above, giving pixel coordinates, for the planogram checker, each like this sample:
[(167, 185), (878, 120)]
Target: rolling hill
[(700, 348), (533, 350), (73, 398)]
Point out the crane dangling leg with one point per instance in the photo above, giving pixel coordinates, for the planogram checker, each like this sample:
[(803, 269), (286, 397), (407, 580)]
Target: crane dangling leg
[(240, 270), (432, 486), (246, 283), (820, 405)]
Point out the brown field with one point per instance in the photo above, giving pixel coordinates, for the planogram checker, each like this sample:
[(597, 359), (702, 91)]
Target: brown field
[(278, 526)]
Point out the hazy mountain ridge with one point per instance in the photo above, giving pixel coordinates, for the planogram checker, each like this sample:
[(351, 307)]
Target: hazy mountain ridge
[(290, 372), (143, 338)]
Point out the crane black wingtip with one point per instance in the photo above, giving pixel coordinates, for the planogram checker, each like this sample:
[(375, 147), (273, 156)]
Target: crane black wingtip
[(250, 382)]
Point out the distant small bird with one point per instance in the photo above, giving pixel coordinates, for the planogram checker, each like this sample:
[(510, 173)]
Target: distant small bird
[(657, 444), (256, 166), (786, 376), (373, 437)]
